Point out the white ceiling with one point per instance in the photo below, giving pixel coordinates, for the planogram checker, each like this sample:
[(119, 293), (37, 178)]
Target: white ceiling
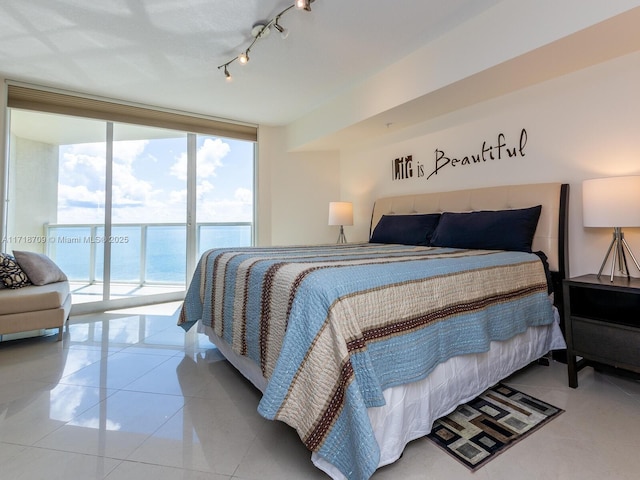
[(166, 52)]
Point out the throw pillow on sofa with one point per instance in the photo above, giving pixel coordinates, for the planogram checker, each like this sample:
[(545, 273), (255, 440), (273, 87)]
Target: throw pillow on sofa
[(40, 269), (11, 275)]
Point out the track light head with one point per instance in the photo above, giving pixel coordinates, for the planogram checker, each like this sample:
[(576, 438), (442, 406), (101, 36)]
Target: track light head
[(304, 4), (284, 33), (225, 68)]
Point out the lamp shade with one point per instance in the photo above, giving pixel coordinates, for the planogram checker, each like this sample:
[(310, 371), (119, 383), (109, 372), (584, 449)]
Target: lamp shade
[(340, 213), (611, 202)]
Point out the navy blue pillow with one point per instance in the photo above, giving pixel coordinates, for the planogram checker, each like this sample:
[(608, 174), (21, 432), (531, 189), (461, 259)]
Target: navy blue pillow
[(488, 230), (405, 229)]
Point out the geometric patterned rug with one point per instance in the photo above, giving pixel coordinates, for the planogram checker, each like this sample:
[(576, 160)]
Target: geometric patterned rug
[(479, 430)]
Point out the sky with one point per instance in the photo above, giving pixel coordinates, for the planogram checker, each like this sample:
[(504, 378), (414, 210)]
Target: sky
[(150, 178)]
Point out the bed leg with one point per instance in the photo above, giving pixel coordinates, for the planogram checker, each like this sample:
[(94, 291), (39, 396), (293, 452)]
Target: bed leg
[(545, 359)]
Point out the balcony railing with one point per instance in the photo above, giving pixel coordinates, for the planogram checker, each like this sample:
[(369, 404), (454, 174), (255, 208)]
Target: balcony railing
[(143, 254)]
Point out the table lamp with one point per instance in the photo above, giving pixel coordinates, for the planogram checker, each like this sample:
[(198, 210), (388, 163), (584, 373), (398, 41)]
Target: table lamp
[(613, 202), (341, 213)]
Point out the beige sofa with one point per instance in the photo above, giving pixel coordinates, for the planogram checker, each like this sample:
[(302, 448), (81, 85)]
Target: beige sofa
[(34, 295), (34, 307)]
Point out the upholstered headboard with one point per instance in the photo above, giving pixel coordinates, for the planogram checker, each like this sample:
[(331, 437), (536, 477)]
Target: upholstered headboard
[(551, 232)]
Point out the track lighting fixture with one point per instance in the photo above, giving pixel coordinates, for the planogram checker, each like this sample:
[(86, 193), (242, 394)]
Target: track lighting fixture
[(261, 30)]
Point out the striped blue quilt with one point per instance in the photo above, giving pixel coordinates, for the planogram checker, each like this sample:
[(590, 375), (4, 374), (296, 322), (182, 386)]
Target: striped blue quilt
[(332, 326)]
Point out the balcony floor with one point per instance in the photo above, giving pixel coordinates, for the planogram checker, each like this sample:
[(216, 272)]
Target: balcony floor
[(83, 292)]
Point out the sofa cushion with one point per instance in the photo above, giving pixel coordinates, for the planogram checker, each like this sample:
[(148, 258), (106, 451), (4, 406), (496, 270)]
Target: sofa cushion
[(10, 272), (39, 268), (33, 298)]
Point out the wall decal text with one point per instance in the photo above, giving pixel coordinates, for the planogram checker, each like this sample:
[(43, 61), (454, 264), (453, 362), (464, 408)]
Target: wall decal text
[(402, 168), (489, 151)]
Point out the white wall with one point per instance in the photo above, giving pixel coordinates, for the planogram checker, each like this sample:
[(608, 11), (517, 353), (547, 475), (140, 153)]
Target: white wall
[(537, 39), (294, 192), (33, 192), (4, 159), (580, 126)]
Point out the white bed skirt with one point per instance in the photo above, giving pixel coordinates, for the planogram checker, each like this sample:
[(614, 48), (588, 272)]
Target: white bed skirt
[(411, 409)]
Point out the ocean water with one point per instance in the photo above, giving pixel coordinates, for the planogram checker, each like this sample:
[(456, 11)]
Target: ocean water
[(79, 251)]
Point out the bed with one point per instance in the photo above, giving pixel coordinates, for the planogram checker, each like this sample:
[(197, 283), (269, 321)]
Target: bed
[(361, 347)]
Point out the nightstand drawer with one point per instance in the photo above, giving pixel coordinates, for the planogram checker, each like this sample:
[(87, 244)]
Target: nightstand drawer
[(612, 306), (615, 344)]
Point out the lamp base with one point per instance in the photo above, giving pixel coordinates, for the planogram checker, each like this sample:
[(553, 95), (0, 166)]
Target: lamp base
[(341, 237), (618, 246)]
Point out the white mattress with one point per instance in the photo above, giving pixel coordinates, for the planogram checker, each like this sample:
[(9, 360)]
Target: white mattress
[(411, 409)]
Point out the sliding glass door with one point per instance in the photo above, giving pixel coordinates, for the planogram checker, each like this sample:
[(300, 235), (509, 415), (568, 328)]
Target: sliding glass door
[(224, 191), (125, 210), (148, 202)]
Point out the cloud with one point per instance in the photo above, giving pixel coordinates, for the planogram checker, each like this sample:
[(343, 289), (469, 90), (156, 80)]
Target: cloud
[(203, 188), (96, 423), (127, 151), (244, 195), (129, 190), (179, 169), (208, 159), (84, 166), (178, 196), (82, 182), (238, 209), (80, 195)]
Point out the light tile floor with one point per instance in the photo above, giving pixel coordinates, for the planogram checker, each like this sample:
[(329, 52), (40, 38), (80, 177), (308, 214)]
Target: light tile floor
[(128, 395)]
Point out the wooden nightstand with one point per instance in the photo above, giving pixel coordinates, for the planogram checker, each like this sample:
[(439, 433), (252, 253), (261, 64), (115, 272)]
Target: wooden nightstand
[(602, 323)]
